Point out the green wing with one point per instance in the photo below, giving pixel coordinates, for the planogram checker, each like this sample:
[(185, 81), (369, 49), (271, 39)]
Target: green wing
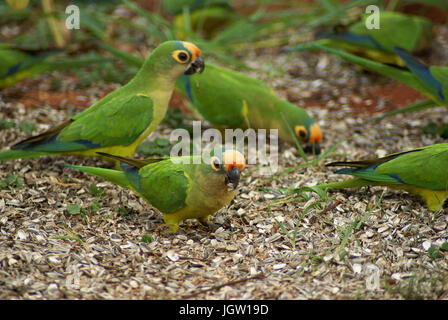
[(164, 184), (118, 122), (213, 91), (423, 167), (397, 30), (441, 75)]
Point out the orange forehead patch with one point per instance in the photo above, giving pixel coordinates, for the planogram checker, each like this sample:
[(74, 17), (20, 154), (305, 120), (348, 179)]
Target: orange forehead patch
[(195, 51), (233, 159), (316, 133)]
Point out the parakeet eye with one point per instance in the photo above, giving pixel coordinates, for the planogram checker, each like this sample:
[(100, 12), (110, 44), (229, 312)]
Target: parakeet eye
[(301, 132), (215, 163), (181, 56)]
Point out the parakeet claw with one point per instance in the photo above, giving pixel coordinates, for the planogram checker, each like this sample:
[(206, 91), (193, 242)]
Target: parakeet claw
[(196, 67)]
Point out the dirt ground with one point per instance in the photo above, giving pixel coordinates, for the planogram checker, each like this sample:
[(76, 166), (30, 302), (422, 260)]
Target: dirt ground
[(359, 244)]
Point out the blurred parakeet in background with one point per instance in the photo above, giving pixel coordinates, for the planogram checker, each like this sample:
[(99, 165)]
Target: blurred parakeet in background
[(17, 63), (121, 120), (227, 98), (434, 79), (431, 81), (180, 187), (421, 171), (205, 16), (396, 29)]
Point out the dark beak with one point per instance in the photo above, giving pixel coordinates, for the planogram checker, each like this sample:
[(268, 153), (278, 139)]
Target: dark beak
[(312, 148), (196, 67), (233, 177)]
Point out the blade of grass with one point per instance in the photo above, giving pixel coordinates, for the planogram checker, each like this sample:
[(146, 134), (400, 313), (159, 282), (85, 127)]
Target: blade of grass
[(357, 224), (413, 107)]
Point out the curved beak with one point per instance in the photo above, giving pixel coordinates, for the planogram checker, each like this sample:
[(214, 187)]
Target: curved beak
[(197, 66), (313, 148), (233, 177)]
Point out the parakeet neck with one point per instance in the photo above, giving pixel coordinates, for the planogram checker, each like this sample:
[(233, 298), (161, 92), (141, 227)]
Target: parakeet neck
[(152, 78)]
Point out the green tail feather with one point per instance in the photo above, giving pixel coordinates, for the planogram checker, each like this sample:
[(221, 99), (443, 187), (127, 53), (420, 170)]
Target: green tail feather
[(351, 183), (114, 176), (19, 154)]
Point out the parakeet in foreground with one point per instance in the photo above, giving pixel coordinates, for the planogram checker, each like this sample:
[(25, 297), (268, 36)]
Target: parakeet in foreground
[(121, 120), (179, 187), (413, 33), (227, 98), (421, 171)]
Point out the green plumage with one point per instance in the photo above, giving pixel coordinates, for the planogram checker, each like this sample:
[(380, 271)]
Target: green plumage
[(413, 33), (176, 6), (17, 64), (422, 171), (228, 98), (206, 17), (432, 81), (121, 120), (178, 187), (231, 99)]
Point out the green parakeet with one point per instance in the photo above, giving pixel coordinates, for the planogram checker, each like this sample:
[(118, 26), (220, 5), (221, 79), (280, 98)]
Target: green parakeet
[(421, 171), (396, 29), (207, 16), (121, 120), (17, 64), (179, 187), (227, 98)]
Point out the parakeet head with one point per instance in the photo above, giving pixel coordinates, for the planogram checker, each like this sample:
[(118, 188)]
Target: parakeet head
[(228, 162), (310, 134), (173, 58)]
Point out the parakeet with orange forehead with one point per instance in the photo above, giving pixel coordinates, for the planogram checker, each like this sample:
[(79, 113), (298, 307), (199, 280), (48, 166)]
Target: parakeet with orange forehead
[(121, 120), (179, 187), (227, 98)]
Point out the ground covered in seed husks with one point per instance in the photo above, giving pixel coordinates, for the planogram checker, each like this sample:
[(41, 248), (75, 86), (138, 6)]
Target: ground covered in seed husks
[(68, 235)]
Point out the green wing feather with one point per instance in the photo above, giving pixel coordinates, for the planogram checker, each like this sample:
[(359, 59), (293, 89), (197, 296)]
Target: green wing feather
[(232, 99), (422, 167), (441, 75), (107, 126), (165, 185), (412, 33), (112, 122)]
